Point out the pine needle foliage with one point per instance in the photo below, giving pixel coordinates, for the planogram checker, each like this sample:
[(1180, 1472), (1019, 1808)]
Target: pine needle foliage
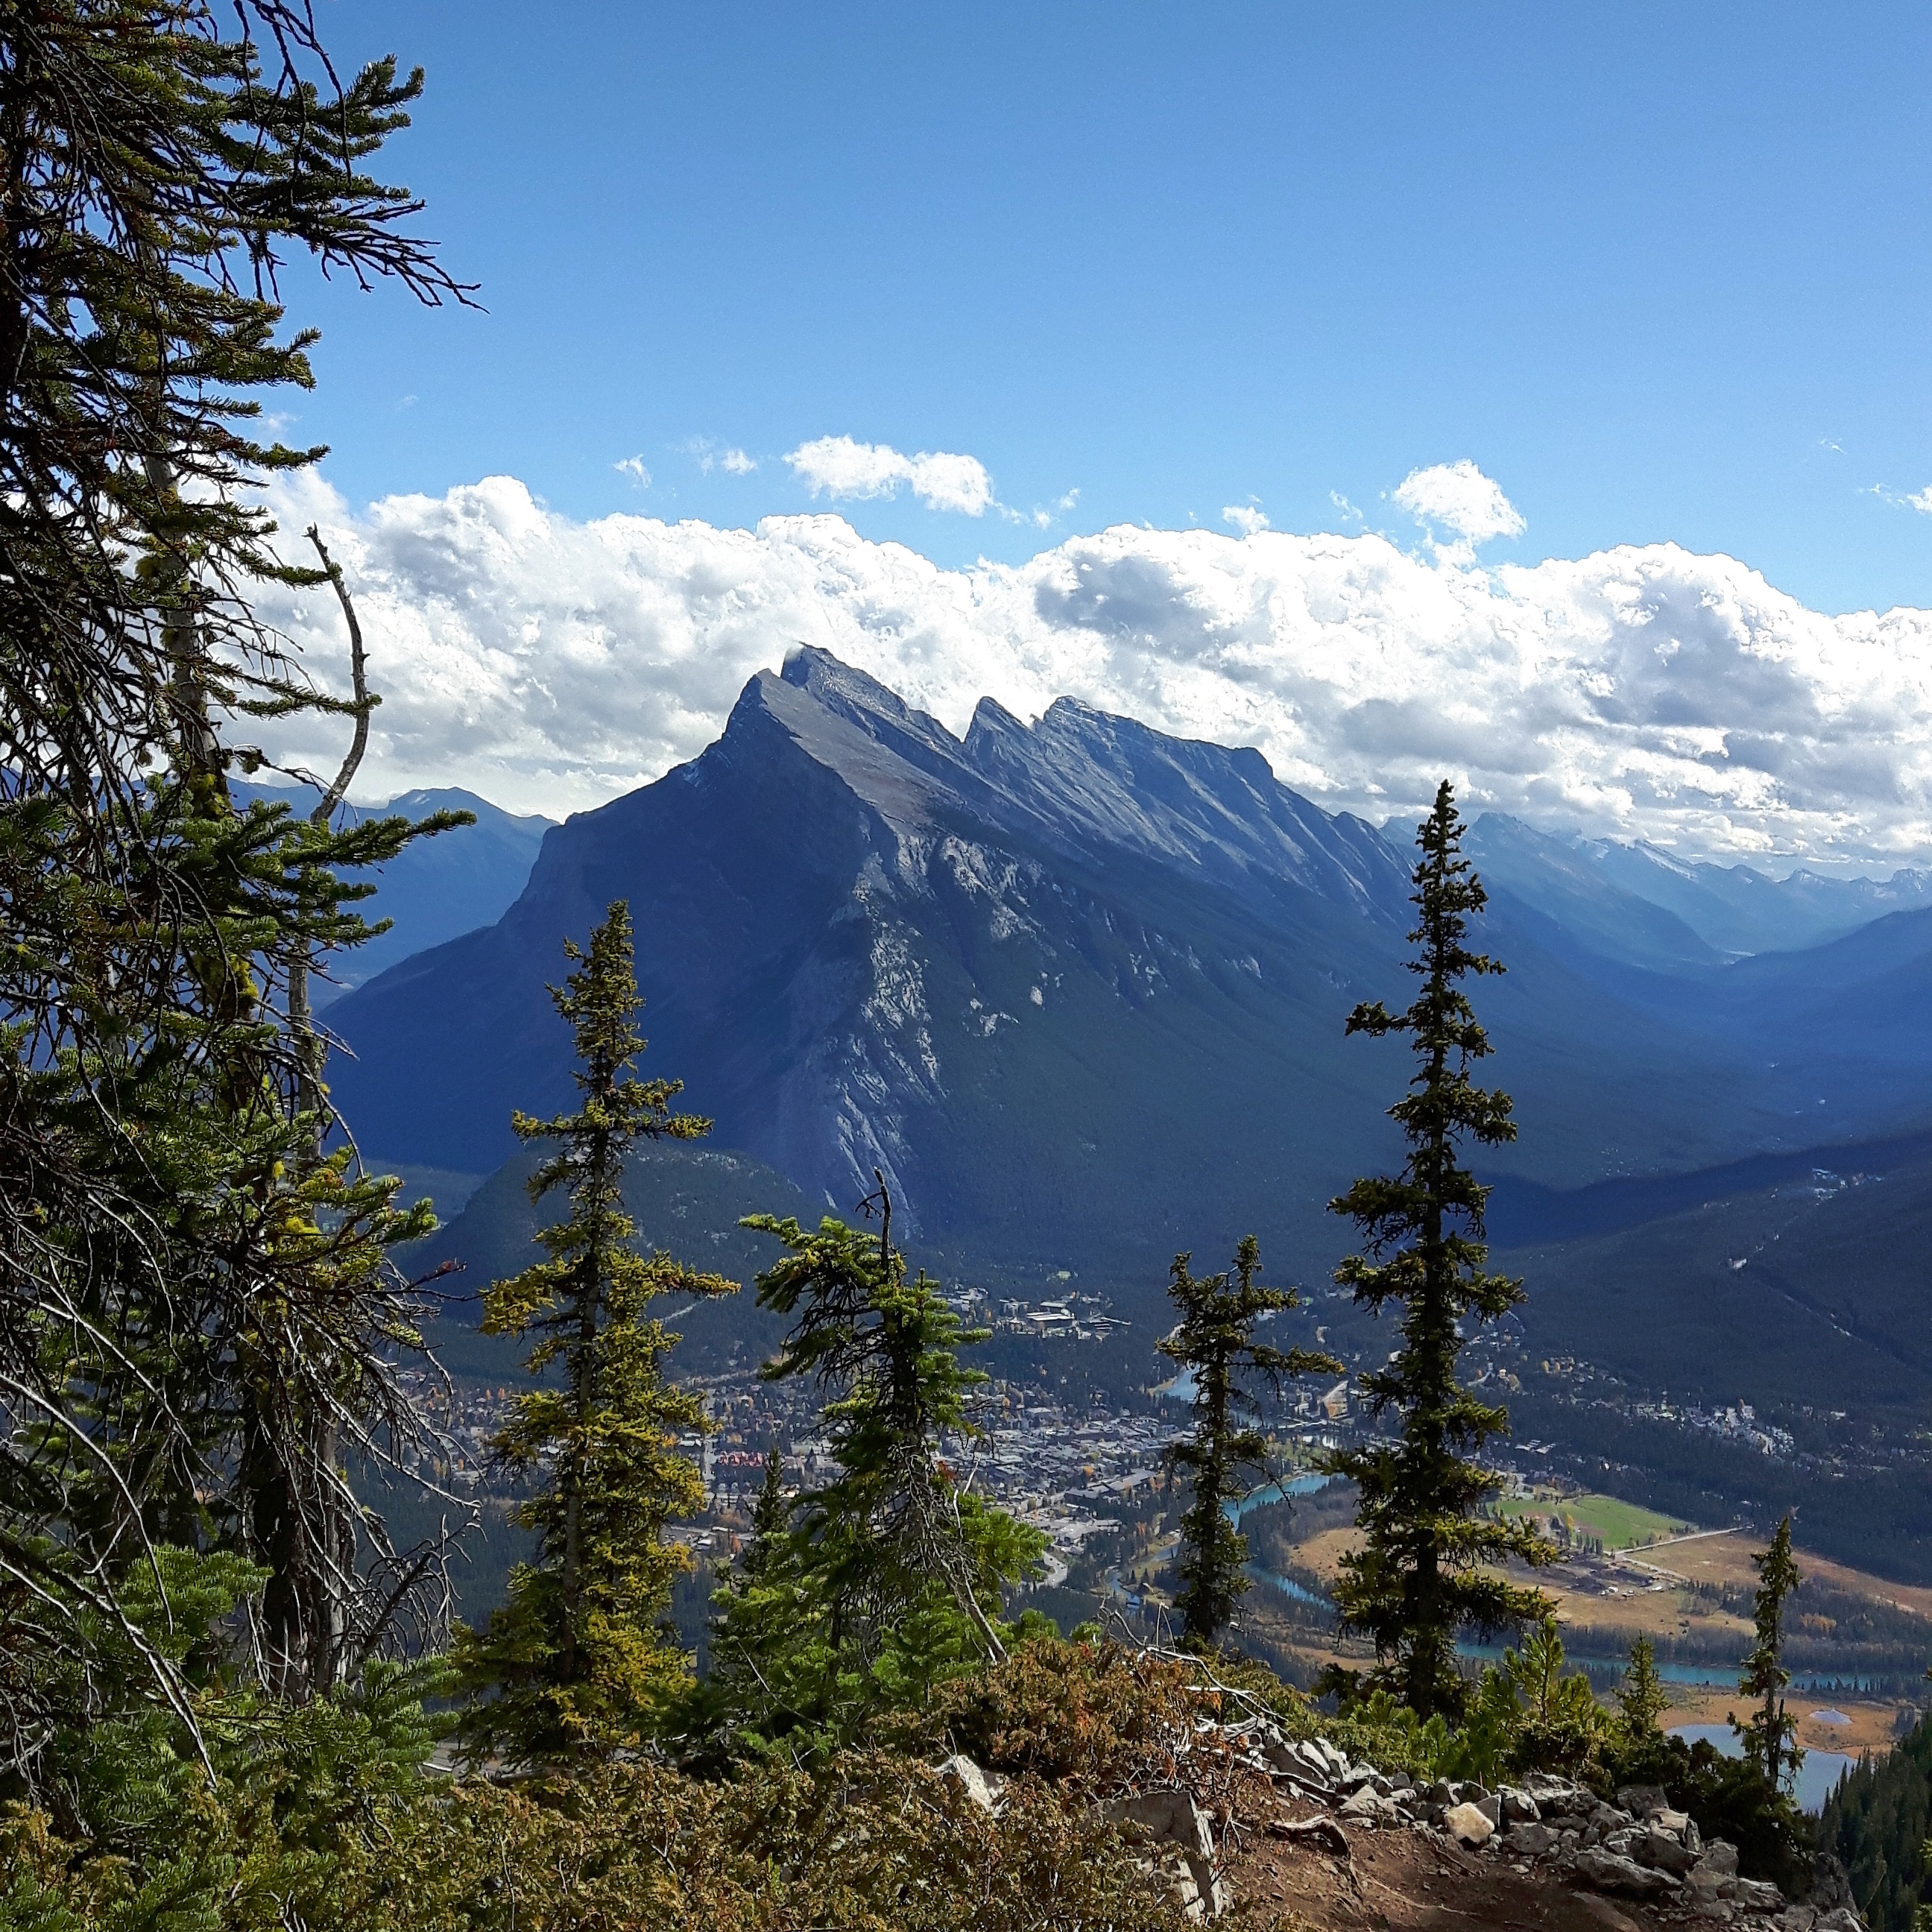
[(1768, 1735), (197, 1313), (894, 1572), (576, 1665), (1641, 1698), (1425, 1571), (1214, 1342)]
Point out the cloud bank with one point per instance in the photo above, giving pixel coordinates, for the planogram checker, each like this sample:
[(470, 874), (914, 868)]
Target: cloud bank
[(1640, 692)]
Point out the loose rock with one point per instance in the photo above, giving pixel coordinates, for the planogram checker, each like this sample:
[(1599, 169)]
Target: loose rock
[(1469, 1822), (1610, 1871)]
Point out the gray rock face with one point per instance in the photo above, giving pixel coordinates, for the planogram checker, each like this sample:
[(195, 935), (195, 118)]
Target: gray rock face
[(1831, 1883), (982, 1787), (1169, 1817), (1173, 1818), (1369, 1806), (1531, 1841), (1704, 1883), (1642, 1800), (1662, 1851), (1609, 1871)]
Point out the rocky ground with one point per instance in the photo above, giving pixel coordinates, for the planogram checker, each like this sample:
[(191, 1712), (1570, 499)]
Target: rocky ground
[(1297, 1834)]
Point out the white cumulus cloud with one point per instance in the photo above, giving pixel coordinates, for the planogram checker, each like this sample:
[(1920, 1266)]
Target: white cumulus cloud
[(1458, 497), (1246, 517), (1641, 692), (836, 466)]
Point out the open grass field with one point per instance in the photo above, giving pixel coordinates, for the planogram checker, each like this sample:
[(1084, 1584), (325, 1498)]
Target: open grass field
[(1615, 1524)]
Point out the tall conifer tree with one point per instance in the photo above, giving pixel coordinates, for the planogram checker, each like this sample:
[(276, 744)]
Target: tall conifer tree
[(1768, 1735), (1214, 1341), (1425, 1570), (576, 1664)]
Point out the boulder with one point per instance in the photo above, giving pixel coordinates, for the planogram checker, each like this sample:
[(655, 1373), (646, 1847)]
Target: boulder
[(1441, 1793), (1555, 1794), (1705, 1882), (1831, 1883), (1173, 1818), (1369, 1806), (982, 1787), (1797, 1918), (1518, 1806), (1608, 1871), (1532, 1840), (1759, 1895), (1721, 1857), (1839, 1919), (1491, 1807), (1169, 1817), (1642, 1800), (1664, 1851), (1470, 1823)]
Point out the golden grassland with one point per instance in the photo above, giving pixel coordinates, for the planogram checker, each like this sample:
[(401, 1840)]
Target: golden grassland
[(1614, 1594)]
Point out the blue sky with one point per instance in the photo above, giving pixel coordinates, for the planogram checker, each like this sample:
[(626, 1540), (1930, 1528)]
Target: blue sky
[(1662, 272)]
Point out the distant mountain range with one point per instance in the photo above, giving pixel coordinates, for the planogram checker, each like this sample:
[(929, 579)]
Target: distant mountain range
[(1647, 907), (436, 888), (1078, 988)]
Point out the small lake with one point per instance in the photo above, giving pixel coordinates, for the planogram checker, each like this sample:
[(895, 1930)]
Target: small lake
[(1274, 1492), (1817, 1776)]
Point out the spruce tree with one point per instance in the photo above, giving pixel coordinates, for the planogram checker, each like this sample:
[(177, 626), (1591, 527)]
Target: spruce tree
[(903, 1568), (576, 1664), (1640, 1696), (1425, 1570), (1768, 1735), (771, 1662), (1214, 1342)]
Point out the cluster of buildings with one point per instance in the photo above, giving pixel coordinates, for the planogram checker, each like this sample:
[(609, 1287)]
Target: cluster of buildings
[(1740, 1424), (1065, 1317)]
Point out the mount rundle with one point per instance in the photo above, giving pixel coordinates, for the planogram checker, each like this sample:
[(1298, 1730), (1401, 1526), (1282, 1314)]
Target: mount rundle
[(1077, 988)]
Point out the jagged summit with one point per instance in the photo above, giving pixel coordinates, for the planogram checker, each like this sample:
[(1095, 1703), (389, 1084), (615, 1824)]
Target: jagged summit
[(1077, 778)]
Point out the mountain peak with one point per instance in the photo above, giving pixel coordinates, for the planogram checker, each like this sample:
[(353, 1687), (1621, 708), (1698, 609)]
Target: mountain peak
[(861, 700)]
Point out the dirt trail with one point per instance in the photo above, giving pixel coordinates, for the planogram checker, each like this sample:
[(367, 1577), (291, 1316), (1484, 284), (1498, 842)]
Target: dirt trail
[(1402, 1881)]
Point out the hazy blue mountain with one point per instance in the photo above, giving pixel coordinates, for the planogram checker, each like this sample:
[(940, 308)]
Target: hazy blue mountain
[(1605, 887), (436, 888), (1566, 881), (1077, 988)]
